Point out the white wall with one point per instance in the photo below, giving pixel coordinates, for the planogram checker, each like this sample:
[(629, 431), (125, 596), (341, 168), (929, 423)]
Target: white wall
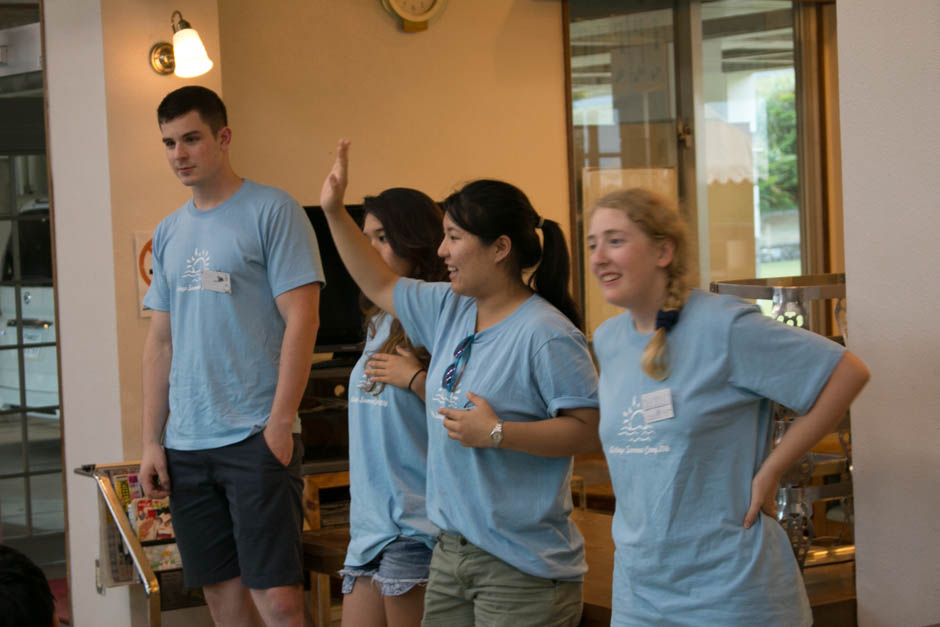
[(80, 180), (889, 77)]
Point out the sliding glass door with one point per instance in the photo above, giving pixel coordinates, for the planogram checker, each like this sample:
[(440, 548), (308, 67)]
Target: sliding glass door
[(697, 100)]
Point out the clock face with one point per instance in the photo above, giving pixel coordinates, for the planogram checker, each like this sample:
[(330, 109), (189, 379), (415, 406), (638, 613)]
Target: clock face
[(415, 10)]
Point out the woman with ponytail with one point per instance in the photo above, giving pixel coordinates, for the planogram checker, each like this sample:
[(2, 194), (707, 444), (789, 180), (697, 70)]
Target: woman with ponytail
[(686, 383), (511, 395)]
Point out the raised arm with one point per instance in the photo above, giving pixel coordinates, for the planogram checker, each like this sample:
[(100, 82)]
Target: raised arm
[(362, 261), (846, 381), (158, 355)]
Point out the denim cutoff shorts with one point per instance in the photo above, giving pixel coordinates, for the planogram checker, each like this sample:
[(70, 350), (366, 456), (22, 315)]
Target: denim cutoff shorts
[(403, 564)]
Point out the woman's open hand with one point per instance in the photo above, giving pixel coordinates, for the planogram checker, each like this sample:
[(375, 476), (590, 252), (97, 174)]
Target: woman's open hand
[(396, 370), (334, 187)]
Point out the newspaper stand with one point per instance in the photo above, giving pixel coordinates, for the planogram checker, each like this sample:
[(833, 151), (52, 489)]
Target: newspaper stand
[(122, 558), (792, 299)]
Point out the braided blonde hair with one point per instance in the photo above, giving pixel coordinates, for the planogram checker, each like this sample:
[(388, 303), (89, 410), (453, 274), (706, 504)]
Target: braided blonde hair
[(660, 221)]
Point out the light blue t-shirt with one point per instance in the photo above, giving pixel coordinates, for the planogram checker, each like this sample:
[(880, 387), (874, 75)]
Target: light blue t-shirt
[(388, 446), (530, 366), (683, 483), (227, 346)]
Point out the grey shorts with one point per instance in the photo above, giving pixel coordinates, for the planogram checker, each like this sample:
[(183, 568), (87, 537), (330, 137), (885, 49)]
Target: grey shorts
[(238, 511), (403, 564), (468, 586)]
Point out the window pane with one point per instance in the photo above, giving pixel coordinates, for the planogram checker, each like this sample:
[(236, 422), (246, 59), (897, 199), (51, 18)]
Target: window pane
[(750, 139), (13, 507), (42, 381), (11, 444), (47, 502), (45, 442), (9, 367), (623, 110), (31, 182), (5, 187)]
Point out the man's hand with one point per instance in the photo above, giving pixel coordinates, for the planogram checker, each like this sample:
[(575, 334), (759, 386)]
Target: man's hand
[(153, 474), (471, 427), (280, 441)]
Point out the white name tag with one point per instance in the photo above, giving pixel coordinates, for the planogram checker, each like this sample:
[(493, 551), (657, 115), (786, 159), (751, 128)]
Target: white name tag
[(657, 405), (217, 281)]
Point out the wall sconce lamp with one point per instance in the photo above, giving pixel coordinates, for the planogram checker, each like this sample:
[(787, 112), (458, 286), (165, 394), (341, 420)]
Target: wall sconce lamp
[(186, 57)]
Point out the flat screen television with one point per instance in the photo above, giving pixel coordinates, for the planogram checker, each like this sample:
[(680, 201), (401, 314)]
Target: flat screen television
[(341, 331)]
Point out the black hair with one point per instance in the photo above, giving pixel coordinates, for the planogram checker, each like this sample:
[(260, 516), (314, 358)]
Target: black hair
[(206, 102), (413, 225), (488, 209), (25, 596)]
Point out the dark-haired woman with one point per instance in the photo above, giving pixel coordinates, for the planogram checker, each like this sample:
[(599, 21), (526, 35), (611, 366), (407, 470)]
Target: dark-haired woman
[(387, 561), (686, 380), (511, 396)]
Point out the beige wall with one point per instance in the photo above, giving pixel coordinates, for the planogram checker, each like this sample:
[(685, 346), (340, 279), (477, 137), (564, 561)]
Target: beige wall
[(889, 84), (480, 94)]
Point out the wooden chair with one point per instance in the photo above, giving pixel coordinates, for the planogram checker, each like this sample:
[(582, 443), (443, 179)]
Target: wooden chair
[(312, 486), (324, 548)]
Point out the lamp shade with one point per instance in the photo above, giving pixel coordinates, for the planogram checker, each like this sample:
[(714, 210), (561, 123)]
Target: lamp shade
[(190, 54)]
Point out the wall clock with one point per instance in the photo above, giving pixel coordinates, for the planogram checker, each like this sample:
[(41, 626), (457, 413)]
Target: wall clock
[(414, 14)]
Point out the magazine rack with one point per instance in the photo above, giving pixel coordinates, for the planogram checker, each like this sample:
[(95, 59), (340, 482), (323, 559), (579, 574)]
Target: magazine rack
[(122, 558), (801, 485)]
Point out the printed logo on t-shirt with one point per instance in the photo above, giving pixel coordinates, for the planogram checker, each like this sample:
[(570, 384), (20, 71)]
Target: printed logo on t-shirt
[(637, 434), (192, 276), (451, 400), (365, 397)]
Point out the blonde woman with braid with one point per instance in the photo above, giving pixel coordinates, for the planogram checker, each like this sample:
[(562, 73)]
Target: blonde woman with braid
[(687, 380)]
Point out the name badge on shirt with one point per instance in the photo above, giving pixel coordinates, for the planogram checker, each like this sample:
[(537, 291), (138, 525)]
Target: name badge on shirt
[(217, 281), (657, 405)]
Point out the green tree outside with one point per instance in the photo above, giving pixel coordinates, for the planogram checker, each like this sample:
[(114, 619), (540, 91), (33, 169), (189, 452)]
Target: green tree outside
[(778, 182)]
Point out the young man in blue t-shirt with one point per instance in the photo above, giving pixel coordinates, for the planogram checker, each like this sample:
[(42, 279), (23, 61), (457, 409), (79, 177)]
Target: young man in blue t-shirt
[(234, 296)]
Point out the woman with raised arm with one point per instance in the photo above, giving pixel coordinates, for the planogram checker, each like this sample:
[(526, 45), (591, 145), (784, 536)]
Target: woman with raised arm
[(511, 396), (389, 553), (687, 380)]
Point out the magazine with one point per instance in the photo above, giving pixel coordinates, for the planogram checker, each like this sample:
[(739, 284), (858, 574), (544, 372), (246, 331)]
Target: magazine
[(150, 519)]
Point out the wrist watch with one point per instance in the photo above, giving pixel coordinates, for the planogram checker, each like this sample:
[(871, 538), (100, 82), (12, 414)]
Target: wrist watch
[(496, 435)]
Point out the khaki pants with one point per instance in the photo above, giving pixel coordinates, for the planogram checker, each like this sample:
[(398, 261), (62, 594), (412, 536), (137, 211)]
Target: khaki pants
[(468, 586)]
